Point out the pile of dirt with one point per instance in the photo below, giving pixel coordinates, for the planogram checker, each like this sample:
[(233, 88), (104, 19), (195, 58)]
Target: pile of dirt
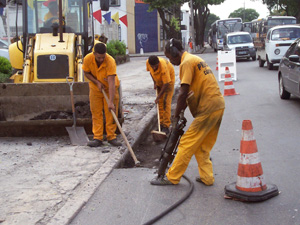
[(82, 110)]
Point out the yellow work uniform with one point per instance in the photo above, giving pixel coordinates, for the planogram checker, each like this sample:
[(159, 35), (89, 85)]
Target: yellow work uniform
[(48, 16), (97, 100), (207, 107), (163, 75)]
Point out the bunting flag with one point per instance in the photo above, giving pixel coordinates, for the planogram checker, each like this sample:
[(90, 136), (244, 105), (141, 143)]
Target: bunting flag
[(124, 20), (45, 3), (30, 3), (98, 15), (107, 17), (115, 17)]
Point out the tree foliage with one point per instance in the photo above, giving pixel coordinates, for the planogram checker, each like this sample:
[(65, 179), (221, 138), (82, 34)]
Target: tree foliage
[(5, 69), (162, 7), (116, 47), (201, 14), (211, 18), (284, 7), (246, 14), (200, 10)]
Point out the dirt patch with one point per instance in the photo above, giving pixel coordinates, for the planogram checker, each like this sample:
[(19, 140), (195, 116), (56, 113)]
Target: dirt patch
[(82, 110), (148, 153)]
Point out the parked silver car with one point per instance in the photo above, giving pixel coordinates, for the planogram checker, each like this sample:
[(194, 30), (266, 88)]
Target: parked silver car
[(289, 72)]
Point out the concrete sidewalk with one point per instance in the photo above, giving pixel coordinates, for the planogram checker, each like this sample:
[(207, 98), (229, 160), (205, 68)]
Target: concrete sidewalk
[(48, 181)]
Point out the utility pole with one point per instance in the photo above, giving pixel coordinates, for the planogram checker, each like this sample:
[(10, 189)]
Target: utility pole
[(244, 11), (192, 18)]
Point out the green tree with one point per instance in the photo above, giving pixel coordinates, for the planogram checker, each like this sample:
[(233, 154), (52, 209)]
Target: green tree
[(246, 14), (5, 69), (201, 14), (163, 7), (290, 7)]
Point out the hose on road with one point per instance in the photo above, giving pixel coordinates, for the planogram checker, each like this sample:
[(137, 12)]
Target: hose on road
[(176, 204)]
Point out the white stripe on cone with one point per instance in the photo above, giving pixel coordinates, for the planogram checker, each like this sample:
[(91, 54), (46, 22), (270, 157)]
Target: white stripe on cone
[(249, 159), (248, 135), (250, 182), (228, 87), (228, 79)]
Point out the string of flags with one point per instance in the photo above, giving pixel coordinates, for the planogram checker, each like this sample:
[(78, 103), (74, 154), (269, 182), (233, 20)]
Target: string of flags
[(108, 17)]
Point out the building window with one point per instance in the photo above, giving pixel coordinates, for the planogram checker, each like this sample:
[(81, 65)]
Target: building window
[(114, 2)]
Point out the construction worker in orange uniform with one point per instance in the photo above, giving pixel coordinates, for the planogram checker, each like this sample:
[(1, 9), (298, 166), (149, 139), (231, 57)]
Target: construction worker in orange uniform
[(163, 75), (53, 11), (100, 68), (200, 91)]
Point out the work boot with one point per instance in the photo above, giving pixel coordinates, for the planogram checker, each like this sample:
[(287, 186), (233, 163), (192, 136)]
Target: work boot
[(198, 179), (161, 181), (114, 142), (94, 143)]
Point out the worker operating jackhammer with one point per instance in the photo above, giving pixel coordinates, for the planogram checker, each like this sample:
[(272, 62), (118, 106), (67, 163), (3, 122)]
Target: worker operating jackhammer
[(200, 92)]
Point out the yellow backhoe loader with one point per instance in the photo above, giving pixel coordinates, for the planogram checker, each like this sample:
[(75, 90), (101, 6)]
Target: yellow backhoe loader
[(51, 48)]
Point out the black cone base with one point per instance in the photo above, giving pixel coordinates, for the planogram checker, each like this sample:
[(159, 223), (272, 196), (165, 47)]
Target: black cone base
[(233, 192)]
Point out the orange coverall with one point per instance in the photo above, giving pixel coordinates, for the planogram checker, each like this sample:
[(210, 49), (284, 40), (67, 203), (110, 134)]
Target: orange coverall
[(164, 74), (97, 100), (207, 107)]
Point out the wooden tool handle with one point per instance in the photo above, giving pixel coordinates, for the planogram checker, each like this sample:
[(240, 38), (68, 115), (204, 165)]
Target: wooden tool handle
[(122, 133), (158, 117)]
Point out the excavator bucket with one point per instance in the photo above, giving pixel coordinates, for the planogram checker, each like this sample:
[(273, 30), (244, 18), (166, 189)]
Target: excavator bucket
[(24, 108)]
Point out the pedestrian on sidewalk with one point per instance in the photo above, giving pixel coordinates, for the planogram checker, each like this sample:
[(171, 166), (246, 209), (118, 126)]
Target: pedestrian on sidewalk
[(101, 70), (200, 91), (163, 76)]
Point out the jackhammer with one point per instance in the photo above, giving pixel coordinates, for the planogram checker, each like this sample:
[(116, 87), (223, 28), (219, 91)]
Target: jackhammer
[(168, 154), (170, 149)]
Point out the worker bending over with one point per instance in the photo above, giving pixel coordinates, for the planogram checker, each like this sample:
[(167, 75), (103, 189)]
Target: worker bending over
[(200, 91), (53, 11), (163, 75), (101, 70)]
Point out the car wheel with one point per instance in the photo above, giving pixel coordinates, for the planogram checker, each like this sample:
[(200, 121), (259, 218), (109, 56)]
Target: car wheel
[(269, 65), (253, 58), (282, 92), (261, 62)]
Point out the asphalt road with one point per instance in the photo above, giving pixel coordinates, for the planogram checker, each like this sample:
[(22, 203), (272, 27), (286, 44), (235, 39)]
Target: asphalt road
[(126, 197)]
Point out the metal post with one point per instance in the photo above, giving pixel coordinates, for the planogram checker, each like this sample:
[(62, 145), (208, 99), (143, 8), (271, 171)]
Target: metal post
[(8, 22), (192, 18)]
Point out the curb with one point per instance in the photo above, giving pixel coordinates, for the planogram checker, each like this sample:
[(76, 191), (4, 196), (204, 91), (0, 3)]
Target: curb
[(78, 200)]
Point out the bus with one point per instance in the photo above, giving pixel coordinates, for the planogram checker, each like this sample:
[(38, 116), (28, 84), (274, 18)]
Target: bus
[(260, 27), (247, 27), (221, 27)]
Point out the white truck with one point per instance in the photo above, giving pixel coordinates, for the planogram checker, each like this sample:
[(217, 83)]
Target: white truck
[(276, 43)]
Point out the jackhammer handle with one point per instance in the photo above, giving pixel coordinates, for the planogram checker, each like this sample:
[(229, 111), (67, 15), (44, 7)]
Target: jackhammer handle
[(136, 162)]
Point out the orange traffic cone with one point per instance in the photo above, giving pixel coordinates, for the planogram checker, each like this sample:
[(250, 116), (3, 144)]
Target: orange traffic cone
[(228, 84), (217, 67), (250, 185)]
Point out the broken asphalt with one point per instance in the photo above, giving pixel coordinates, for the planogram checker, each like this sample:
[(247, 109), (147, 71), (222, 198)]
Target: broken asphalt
[(47, 180)]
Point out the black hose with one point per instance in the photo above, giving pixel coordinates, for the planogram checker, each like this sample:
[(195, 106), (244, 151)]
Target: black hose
[(174, 205)]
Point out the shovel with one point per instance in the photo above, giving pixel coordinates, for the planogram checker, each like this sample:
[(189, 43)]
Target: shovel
[(77, 134)]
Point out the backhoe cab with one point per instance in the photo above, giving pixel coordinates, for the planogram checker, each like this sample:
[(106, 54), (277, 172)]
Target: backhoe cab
[(57, 34)]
